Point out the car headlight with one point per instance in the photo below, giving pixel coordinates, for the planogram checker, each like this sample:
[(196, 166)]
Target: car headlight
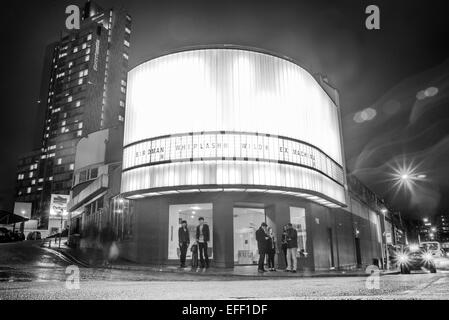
[(427, 256), (403, 258)]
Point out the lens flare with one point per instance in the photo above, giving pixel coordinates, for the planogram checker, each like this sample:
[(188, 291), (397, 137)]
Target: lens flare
[(404, 176), (427, 256)]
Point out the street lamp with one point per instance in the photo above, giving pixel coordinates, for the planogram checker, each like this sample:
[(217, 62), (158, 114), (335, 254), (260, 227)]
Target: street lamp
[(386, 261)]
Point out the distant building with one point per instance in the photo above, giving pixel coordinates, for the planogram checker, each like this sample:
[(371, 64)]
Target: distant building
[(95, 194), (83, 90), (29, 181), (442, 227)]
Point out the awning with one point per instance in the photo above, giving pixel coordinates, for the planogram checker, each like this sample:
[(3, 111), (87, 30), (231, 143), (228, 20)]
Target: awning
[(10, 218)]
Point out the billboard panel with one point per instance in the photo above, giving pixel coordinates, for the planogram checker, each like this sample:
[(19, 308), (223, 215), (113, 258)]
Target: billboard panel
[(58, 204)]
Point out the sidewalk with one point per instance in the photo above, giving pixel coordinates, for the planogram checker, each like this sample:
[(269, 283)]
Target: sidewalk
[(93, 258)]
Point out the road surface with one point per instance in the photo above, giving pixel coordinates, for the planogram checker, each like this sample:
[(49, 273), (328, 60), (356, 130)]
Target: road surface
[(30, 272)]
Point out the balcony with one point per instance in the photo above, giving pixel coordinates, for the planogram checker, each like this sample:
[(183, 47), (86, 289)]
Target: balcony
[(92, 190)]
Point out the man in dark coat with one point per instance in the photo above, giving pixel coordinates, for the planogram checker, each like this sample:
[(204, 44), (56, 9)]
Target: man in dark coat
[(262, 245), (184, 241), (292, 248), (203, 237)]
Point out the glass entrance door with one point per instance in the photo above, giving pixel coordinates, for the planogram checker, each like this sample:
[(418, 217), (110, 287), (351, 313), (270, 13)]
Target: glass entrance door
[(246, 223)]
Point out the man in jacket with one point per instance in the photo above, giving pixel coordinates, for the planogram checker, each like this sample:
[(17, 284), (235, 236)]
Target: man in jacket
[(292, 248), (184, 241), (203, 237), (262, 245)]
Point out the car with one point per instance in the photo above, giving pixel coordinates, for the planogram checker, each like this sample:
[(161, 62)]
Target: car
[(5, 235), (34, 235), (433, 247), (415, 257)]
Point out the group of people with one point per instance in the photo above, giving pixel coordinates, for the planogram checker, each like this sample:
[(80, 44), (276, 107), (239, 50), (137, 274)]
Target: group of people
[(199, 247), (266, 243)]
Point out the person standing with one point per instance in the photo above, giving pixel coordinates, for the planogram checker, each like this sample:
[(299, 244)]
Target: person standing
[(271, 249), (107, 238), (262, 245), (203, 237), (292, 248), (184, 241), (284, 244), (194, 250)]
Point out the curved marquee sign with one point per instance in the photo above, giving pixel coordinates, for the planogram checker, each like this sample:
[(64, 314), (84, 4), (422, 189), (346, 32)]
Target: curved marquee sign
[(217, 117), (228, 146)]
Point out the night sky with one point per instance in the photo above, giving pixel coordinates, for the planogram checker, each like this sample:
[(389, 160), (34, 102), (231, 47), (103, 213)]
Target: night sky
[(385, 70)]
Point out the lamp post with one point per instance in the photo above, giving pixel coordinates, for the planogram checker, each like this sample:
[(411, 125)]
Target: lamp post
[(61, 214), (64, 214), (387, 260)]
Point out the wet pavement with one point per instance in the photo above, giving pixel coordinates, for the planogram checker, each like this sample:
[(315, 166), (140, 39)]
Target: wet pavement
[(28, 271)]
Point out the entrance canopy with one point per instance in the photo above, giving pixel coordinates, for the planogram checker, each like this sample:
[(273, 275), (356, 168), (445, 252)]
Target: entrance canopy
[(10, 218)]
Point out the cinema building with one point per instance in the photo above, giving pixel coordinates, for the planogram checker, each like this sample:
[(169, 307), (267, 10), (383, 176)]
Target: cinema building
[(238, 136)]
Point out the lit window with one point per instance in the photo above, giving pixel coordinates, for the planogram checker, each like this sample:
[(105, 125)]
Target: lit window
[(127, 30), (125, 56), (122, 103), (181, 212), (72, 166), (298, 220), (89, 37), (75, 50), (123, 82), (84, 46), (87, 58), (123, 89), (80, 81), (126, 43), (79, 133), (80, 125), (88, 51), (64, 123), (59, 161), (50, 179), (120, 118), (33, 182), (41, 180), (29, 190), (78, 103), (69, 99), (30, 175)]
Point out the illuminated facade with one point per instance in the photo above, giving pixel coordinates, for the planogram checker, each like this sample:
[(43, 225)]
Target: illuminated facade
[(237, 136), (231, 117)]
